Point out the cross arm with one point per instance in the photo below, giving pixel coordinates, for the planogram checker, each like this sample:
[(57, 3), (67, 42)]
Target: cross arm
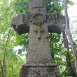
[(20, 23), (55, 24)]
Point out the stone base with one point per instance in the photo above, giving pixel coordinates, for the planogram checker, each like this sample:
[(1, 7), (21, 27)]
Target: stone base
[(39, 71)]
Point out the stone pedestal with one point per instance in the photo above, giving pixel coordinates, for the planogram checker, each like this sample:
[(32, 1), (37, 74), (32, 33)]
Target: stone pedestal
[(39, 71)]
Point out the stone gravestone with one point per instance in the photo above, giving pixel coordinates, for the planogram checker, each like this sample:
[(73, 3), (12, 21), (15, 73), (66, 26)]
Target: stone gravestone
[(38, 23)]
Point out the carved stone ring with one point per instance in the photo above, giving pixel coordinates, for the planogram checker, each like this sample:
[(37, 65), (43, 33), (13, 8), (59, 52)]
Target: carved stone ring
[(38, 19)]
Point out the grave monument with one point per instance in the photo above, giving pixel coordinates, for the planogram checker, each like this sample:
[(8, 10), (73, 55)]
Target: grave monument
[(38, 24)]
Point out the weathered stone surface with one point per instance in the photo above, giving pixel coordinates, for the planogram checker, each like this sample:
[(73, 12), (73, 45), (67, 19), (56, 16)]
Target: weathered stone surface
[(38, 46), (39, 72), (38, 23)]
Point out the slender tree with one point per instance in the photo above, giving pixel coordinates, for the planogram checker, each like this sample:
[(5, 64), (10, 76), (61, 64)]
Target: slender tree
[(73, 48)]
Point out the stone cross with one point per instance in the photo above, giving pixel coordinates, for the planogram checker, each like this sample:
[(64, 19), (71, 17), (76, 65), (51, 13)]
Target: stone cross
[(38, 24)]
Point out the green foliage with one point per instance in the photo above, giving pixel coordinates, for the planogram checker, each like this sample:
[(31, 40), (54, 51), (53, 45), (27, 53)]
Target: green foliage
[(21, 6), (11, 58)]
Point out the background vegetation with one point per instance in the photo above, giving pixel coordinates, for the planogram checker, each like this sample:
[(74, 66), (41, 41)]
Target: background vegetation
[(13, 48)]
